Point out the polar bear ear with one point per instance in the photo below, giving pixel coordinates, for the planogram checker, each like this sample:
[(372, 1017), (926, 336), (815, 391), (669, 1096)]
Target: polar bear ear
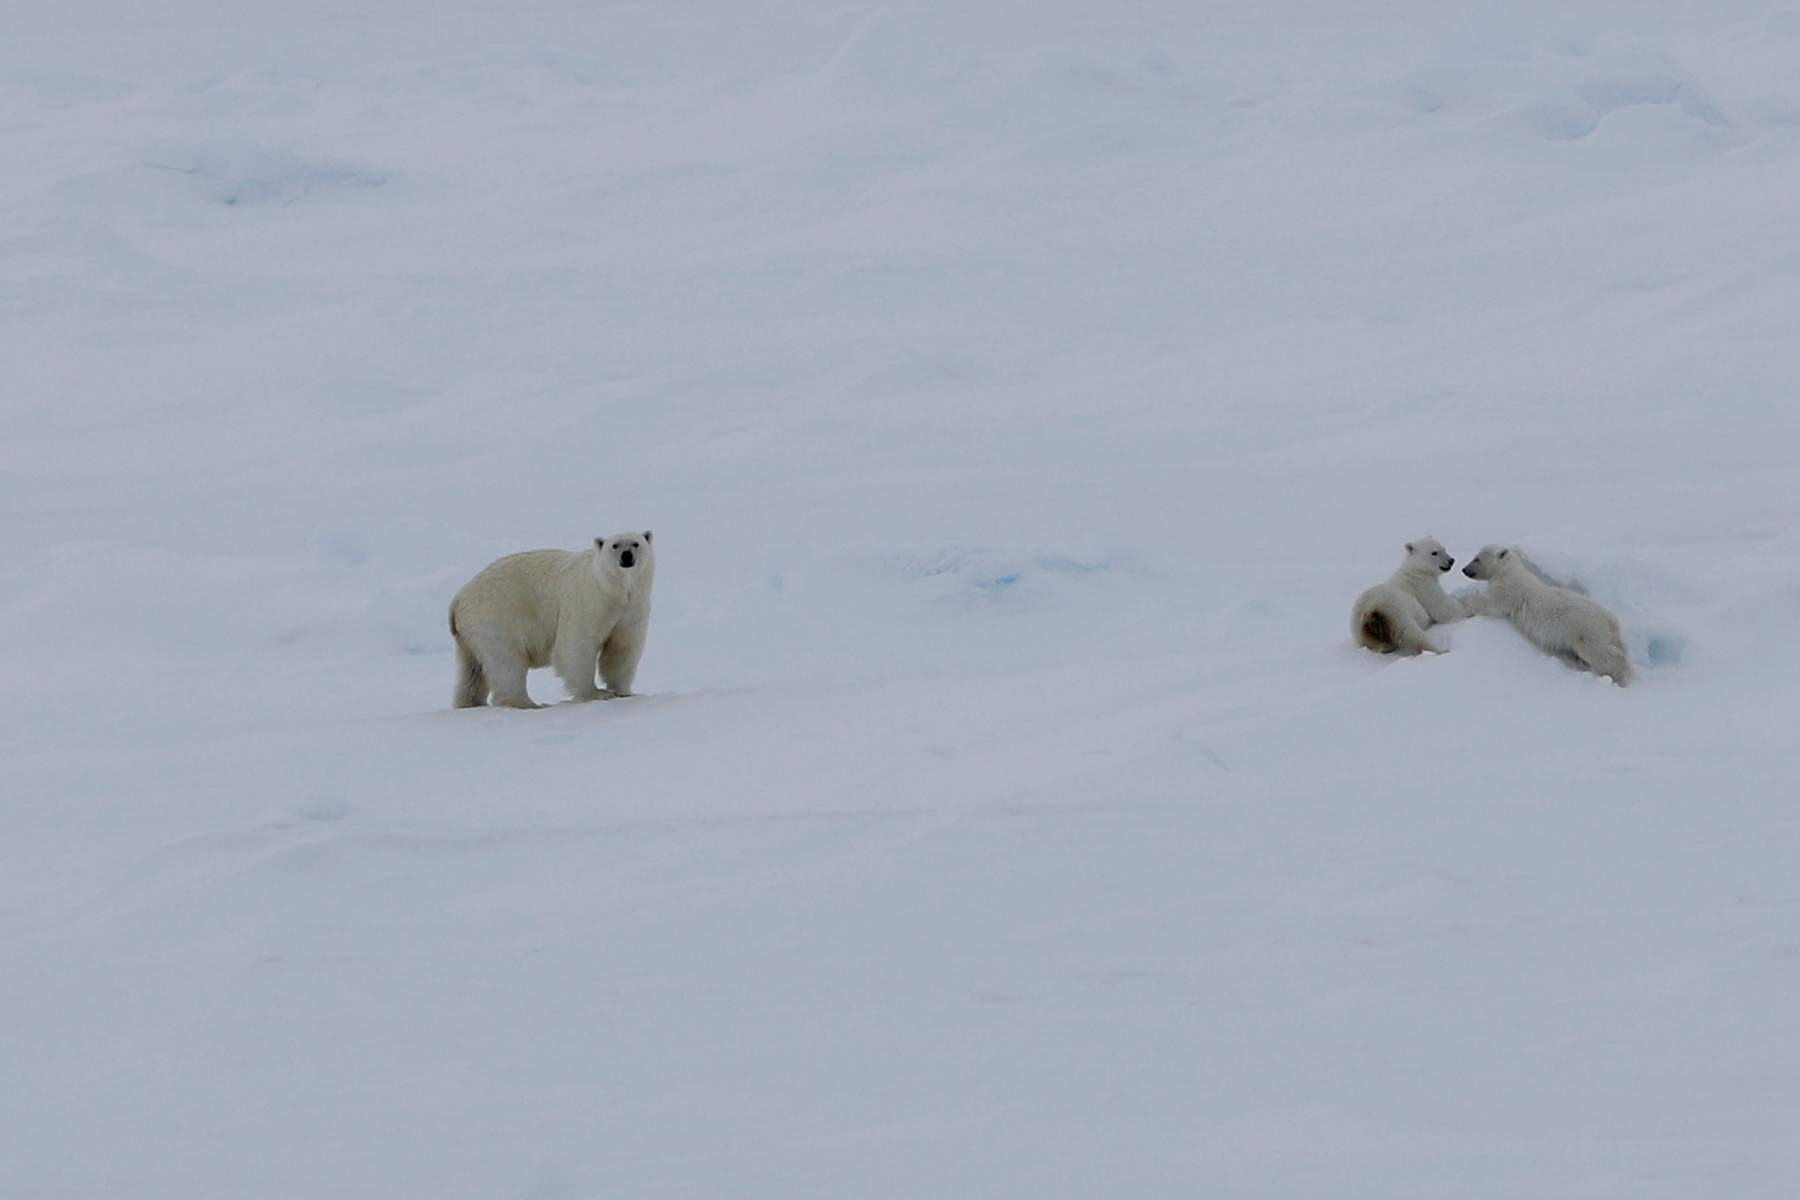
[(1409, 547), (599, 543), (1503, 554), (646, 535)]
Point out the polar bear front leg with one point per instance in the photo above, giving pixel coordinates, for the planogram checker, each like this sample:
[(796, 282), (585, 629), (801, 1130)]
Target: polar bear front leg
[(573, 659), (619, 657), (1442, 607), (1483, 604)]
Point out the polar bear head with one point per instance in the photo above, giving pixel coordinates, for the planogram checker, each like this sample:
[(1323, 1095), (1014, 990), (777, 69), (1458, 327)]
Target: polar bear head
[(626, 553), (1490, 562), (1429, 553)]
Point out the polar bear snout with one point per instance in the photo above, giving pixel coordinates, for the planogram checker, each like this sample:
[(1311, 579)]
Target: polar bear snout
[(1470, 571), (1448, 563), (627, 559)]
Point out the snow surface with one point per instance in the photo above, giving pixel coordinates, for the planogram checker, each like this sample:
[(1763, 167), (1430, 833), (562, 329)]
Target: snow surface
[(1020, 393)]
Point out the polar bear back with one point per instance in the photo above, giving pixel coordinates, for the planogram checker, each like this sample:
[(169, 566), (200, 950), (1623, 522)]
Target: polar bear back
[(1402, 600), (519, 600), (1534, 606), (1556, 619)]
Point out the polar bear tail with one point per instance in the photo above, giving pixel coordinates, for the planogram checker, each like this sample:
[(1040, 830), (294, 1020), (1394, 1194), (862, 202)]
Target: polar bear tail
[(1377, 632), (1385, 631), (471, 680)]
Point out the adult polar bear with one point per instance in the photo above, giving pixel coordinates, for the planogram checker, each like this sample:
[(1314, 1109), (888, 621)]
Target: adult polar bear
[(554, 608), (1557, 620), (1392, 617)]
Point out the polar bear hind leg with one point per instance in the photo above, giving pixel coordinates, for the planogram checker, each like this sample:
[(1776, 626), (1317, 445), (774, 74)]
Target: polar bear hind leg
[(1420, 641), (508, 678), (503, 669), (471, 680), (1604, 656), (484, 670)]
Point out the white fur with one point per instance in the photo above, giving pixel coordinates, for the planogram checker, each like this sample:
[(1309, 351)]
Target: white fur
[(1392, 617), (554, 608), (1554, 619)]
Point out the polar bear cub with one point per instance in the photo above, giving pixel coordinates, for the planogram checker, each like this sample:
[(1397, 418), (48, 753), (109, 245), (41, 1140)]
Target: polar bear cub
[(1554, 619), (1392, 617), (554, 608)]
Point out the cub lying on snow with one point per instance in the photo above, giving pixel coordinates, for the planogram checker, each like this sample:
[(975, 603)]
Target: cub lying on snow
[(1392, 617), (1564, 623)]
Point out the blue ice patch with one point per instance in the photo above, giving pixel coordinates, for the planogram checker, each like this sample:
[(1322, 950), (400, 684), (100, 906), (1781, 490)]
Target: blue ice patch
[(1665, 650)]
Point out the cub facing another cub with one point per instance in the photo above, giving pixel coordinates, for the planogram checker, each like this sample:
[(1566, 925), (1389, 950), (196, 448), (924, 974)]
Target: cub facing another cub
[(1555, 620), (1392, 617)]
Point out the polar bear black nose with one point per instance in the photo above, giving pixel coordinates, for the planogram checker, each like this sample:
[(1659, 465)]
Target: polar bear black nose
[(1469, 570), (1448, 563), (625, 558)]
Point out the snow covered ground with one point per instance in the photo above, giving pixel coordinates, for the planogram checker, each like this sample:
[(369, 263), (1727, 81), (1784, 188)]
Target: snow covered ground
[(1020, 393)]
